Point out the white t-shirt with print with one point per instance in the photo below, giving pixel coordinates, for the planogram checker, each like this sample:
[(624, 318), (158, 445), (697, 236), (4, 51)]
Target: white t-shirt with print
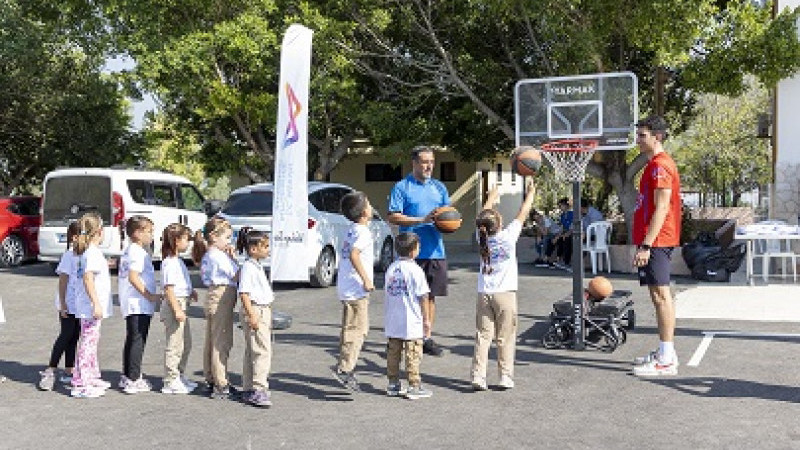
[(503, 261), (349, 284), (217, 268), (405, 285), (68, 265), (92, 260), (135, 258), (174, 273), (253, 281)]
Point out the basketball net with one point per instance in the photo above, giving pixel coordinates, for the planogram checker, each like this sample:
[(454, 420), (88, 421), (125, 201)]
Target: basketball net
[(569, 158)]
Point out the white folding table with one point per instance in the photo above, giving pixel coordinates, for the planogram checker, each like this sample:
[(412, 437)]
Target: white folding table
[(752, 233)]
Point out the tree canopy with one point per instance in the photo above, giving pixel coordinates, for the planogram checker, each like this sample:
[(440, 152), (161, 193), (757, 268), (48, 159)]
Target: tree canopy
[(56, 107)]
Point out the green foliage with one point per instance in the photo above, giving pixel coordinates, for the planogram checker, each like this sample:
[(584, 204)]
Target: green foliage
[(720, 152), (56, 108)]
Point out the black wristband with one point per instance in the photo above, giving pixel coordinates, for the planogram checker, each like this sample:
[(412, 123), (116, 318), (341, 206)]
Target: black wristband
[(644, 247)]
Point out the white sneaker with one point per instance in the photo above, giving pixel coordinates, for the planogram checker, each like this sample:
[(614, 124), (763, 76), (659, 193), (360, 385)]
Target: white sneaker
[(639, 360), (99, 383), (175, 387), (123, 381), (653, 368), (135, 387), (87, 392), (191, 385), (506, 382), (479, 383)]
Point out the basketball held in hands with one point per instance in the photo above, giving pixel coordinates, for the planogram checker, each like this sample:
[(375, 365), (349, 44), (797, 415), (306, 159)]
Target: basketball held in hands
[(526, 161), (447, 219)]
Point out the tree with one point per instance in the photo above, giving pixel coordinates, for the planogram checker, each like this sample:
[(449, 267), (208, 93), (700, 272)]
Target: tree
[(450, 60), (214, 68), (720, 152), (56, 108)]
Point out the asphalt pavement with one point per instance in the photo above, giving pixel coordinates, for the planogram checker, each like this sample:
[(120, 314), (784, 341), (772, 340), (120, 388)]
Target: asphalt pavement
[(743, 394)]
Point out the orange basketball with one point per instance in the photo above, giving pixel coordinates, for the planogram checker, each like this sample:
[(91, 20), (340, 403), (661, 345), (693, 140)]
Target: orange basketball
[(526, 161), (447, 219), (599, 288)]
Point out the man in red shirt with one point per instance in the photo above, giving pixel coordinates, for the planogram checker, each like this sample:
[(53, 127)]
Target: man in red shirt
[(656, 232)]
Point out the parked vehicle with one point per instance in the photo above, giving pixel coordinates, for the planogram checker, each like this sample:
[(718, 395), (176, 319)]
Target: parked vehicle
[(252, 206), (116, 194), (19, 228)]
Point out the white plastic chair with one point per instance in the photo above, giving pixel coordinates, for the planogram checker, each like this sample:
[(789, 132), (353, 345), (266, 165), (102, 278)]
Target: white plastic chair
[(776, 248), (598, 237)]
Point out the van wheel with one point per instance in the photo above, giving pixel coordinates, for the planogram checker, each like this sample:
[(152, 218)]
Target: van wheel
[(325, 269), (387, 255), (12, 251)]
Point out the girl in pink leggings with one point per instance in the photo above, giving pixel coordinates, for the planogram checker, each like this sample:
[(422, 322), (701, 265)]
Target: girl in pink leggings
[(93, 304)]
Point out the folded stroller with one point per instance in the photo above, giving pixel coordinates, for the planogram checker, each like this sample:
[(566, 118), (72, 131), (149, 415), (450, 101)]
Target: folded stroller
[(605, 322)]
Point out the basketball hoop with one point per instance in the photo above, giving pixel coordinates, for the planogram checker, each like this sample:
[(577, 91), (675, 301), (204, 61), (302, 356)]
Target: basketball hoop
[(569, 157)]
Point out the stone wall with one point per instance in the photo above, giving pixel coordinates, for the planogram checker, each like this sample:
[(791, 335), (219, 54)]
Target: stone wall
[(786, 193)]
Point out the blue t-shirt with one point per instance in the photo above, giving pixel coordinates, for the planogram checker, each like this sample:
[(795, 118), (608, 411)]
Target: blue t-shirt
[(413, 198), (566, 220)]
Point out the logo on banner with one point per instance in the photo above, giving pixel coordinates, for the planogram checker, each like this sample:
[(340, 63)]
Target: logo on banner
[(291, 135)]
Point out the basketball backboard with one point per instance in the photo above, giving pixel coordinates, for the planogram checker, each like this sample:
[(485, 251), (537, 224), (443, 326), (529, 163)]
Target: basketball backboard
[(602, 107)]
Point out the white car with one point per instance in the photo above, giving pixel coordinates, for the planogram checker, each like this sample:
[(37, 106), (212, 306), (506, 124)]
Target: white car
[(252, 206), (116, 194)]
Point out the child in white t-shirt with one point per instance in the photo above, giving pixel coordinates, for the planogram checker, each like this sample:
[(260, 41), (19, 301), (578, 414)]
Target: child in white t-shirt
[(137, 301), (256, 295), (496, 309), (92, 305), (178, 293), (405, 323), (67, 340), (219, 272), (354, 283)]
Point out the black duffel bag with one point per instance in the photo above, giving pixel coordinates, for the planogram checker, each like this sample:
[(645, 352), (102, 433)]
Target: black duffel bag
[(718, 266)]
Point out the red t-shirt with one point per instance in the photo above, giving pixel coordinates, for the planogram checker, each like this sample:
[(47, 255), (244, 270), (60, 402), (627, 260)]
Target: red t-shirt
[(660, 173)]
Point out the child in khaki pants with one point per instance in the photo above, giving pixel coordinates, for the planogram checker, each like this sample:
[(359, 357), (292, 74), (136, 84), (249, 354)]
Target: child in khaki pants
[(256, 295), (178, 292), (496, 309), (354, 285), (405, 322)]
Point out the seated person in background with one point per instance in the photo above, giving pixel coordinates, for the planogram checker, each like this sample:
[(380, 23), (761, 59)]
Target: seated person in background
[(544, 237), (589, 214), (562, 242)]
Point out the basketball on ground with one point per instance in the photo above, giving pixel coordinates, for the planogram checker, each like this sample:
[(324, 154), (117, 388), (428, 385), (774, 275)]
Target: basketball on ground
[(447, 219), (599, 288), (526, 161)]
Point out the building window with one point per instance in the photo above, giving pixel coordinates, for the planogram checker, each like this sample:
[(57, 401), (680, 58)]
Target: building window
[(499, 173), (447, 171), (383, 172)]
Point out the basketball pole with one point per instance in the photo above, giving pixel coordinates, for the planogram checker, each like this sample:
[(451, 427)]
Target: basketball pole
[(578, 338)]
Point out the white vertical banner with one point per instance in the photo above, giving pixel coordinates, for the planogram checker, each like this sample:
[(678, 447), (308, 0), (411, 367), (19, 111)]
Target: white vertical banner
[(290, 195)]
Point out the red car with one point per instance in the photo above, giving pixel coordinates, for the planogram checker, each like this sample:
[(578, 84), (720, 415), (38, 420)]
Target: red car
[(19, 229)]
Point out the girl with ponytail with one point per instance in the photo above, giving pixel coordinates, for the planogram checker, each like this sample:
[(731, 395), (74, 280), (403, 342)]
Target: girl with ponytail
[(93, 304), (496, 309)]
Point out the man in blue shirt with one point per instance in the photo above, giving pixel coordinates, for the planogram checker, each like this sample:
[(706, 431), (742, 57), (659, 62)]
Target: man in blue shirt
[(412, 203), (562, 242)]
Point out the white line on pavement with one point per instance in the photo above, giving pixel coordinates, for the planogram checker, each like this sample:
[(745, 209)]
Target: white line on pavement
[(708, 336)]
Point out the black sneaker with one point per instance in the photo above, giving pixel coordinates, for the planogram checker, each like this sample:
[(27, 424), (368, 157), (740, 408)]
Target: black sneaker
[(346, 379), (541, 263), (429, 347), (223, 392), (206, 387)]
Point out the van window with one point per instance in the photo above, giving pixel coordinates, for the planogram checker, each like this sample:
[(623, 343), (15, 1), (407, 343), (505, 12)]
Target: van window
[(164, 195), (138, 190), (191, 198), (68, 198), (257, 203)]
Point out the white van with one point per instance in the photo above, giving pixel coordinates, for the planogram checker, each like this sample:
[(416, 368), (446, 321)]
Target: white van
[(116, 194)]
